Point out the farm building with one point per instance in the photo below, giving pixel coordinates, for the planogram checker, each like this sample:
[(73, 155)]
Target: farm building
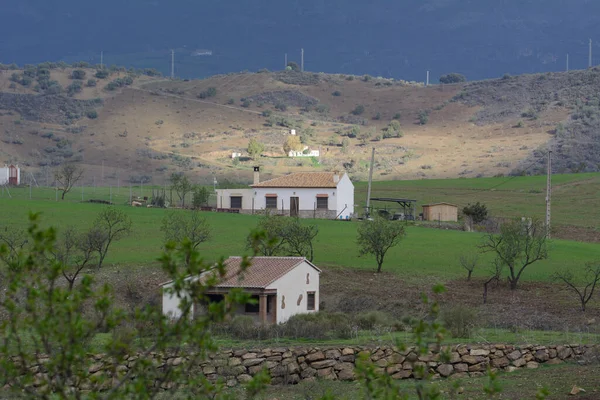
[(282, 286), (303, 194), (10, 175), (440, 212)]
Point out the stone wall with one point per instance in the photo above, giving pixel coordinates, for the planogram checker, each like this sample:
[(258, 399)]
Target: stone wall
[(293, 365)]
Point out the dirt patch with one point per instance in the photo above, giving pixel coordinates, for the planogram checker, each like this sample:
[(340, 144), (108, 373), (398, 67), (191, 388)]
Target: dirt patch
[(535, 305), (577, 233)]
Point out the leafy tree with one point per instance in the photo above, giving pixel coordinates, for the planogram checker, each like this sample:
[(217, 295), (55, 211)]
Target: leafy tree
[(255, 148), (50, 340), (582, 286), (292, 142), (519, 244), (345, 144), (110, 225), (477, 212), (354, 131), (14, 241), (299, 239), (452, 78), (358, 110), (272, 242), (181, 185), (377, 236), (78, 74), (181, 225), (293, 66), (200, 196), (66, 177)]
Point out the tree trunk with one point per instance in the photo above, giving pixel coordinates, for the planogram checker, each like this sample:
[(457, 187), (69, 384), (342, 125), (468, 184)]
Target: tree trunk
[(513, 283), (469, 276), (63, 195)]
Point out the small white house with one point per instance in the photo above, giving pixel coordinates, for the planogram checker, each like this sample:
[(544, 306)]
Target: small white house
[(302, 194), (236, 155), (304, 153), (10, 175), (282, 287)]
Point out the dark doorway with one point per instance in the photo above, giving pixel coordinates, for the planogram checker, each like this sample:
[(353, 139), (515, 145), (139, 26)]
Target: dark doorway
[(294, 206)]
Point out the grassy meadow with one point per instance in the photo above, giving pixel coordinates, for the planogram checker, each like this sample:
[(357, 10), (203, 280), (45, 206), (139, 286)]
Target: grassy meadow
[(424, 253)]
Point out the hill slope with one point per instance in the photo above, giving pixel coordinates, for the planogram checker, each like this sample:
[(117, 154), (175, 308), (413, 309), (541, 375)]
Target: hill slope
[(151, 127)]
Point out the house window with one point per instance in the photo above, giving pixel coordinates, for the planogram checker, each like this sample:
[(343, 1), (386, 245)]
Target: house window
[(253, 308), (310, 301), (322, 202), (271, 201), (236, 202)]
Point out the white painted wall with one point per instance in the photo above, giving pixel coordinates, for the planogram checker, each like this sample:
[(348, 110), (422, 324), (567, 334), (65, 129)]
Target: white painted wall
[(292, 285), (307, 197), (224, 197), (345, 197), (5, 174), (170, 303)]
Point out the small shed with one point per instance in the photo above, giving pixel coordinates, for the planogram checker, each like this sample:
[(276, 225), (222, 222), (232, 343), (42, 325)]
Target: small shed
[(445, 212), (10, 175)]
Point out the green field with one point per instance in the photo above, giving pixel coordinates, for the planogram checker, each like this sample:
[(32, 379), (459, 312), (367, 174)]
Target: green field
[(430, 253), (575, 197)]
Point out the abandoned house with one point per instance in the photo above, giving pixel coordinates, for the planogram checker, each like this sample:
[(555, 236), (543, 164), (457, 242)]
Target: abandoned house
[(303, 194), (282, 287)]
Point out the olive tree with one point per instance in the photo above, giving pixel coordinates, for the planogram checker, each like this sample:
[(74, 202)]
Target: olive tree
[(182, 186), (66, 177), (520, 243), (377, 236), (180, 225)]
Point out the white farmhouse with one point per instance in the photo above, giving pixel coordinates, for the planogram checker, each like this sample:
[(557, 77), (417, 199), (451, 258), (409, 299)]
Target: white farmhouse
[(302, 194), (10, 175), (304, 153), (282, 287)]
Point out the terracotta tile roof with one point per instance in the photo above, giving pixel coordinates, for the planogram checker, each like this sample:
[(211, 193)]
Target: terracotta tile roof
[(301, 180), (262, 272)]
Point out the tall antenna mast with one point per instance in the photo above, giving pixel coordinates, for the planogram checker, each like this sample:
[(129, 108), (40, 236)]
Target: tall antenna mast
[(302, 60), (101, 59), (548, 193), (427, 82), (285, 61), (567, 62), (368, 210), (172, 64), (590, 56)]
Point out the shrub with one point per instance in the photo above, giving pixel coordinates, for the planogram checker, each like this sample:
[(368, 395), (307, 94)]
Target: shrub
[(377, 116), (397, 116), (358, 110), (281, 107), (210, 92), (293, 66), (231, 101), (337, 93), (266, 113), (78, 74), (452, 78), (102, 74), (75, 87), (246, 103), (478, 212), (423, 117), (92, 114), (54, 88), (460, 321), (370, 319), (367, 78), (91, 83), (322, 108)]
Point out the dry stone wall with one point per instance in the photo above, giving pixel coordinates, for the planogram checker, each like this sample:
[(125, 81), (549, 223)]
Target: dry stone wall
[(293, 365)]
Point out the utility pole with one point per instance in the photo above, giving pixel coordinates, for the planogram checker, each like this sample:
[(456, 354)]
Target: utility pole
[(172, 64), (102, 59), (285, 61), (370, 182), (567, 62), (590, 56), (302, 60), (548, 193), (427, 81)]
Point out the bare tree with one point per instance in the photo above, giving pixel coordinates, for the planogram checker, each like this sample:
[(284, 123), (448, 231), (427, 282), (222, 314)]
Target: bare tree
[(468, 262), (376, 237), (182, 186), (497, 268), (66, 177), (180, 225), (590, 280), (299, 239), (110, 225), (74, 251), (519, 244), (272, 240)]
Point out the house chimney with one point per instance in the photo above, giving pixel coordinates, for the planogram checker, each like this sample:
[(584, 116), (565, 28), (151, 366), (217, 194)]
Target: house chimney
[(256, 175), (336, 176)]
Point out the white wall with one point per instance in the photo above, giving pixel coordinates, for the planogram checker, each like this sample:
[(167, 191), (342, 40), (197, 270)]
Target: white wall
[(307, 197), (292, 285), (3, 176), (170, 302), (345, 197), (224, 198)]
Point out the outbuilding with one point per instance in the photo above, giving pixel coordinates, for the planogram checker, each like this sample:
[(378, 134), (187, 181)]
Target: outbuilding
[(302, 194), (444, 212), (282, 287), (10, 175)]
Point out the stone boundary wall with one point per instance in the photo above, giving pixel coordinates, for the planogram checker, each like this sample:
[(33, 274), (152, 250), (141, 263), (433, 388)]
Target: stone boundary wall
[(294, 365)]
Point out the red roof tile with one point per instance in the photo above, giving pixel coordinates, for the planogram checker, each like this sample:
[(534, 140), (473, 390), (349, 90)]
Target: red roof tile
[(262, 272), (301, 180)]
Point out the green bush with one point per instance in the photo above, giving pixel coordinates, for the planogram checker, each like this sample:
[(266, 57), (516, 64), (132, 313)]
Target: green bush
[(337, 93), (75, 87), (210, 92), (266, 113), (231, 101), (78, 74), (452, 78), (460, 321), (370, 319), (281, 107), (246, 103), (102, 73), (358, 110), (397, 116), (423, 117), (91, 83), (92, 114)]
